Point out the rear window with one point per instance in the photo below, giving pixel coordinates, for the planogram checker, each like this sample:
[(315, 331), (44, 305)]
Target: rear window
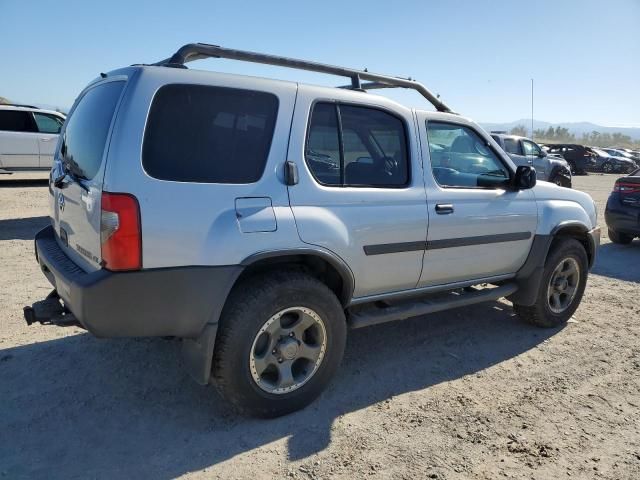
[(206, 134), (16, 121), (86, 132)]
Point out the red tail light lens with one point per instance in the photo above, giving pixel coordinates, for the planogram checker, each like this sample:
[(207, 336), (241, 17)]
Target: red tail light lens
[(120, 232), (625, 188)]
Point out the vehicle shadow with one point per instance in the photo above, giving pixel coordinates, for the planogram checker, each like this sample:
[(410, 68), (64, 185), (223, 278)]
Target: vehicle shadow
[(23, 182), (22, 228), (83, 407), (619, 261)]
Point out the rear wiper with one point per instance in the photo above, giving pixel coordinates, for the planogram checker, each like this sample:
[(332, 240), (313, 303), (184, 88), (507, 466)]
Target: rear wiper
[(67, 172)]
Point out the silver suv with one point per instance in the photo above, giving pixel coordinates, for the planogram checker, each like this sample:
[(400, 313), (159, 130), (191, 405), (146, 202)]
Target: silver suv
[(258, 220), (524, 151)]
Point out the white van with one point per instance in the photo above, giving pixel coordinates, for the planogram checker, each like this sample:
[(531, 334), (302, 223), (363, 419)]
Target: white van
[(28, 137)]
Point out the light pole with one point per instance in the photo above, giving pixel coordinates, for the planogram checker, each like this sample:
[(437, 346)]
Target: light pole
[(532, 109)]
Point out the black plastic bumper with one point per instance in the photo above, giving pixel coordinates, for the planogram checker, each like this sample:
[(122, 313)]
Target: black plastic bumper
[(156, 302), (622, 218)]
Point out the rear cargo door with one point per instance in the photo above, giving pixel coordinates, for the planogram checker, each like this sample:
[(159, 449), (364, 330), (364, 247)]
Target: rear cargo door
[(76, 204)]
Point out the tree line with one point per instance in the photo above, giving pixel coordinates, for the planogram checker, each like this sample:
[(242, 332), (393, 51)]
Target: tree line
[(561, 134)]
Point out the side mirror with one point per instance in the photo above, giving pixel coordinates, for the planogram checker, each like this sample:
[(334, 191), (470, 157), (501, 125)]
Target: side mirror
[(542, 154), (525, 177)]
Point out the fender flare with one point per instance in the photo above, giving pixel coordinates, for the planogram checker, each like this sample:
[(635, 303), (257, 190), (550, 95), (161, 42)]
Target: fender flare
[(348, 280), (529, 277)]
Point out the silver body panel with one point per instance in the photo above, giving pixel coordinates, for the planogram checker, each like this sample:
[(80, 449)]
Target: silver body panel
[(345, 219), (189, 224)]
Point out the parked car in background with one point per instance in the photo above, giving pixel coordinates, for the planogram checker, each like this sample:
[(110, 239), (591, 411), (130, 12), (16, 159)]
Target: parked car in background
[(28, 137), (607, 163), (635, 154), (623, 154), (622, 213), (579, 157), (524, 151)]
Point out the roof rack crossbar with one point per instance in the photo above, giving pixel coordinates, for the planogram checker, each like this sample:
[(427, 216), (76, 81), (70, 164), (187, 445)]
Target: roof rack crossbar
[(197, 51)]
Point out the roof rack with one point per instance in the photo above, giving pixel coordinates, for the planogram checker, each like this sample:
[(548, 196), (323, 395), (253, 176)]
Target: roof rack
[(197, 51)]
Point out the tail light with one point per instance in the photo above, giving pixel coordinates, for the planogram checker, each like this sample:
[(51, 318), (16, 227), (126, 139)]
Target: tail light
[(626, 188), (120, 232)]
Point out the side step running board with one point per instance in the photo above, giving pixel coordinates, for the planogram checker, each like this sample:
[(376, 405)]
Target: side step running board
[(374, 315)]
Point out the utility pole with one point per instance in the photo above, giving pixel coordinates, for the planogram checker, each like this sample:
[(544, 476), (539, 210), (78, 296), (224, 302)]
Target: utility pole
[(532, 109)]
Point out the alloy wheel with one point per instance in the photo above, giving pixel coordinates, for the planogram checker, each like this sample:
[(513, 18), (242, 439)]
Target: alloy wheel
[(288, 350)]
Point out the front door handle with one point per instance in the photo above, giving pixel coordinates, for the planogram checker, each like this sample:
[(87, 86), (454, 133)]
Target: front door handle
[(444, 208)]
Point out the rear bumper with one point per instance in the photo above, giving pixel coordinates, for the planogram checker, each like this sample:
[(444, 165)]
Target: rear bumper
[(156, 302), (622, 219)]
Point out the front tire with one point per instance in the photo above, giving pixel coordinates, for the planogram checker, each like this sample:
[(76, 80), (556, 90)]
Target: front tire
[(281, 339), (607, 167), (620, 238), (562, 286)]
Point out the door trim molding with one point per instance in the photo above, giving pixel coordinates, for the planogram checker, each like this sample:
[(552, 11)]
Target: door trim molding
[(385, 248)]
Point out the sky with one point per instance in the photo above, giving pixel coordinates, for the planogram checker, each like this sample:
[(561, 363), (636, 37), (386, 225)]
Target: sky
[(479, 55)]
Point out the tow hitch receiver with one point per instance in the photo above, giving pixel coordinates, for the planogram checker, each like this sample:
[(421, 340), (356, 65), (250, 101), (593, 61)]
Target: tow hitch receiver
[(50, 311)]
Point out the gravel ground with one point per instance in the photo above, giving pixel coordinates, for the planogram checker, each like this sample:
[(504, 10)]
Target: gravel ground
[(469, 394)]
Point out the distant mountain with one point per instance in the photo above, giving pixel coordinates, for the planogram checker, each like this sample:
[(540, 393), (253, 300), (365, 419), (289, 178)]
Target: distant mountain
[(574, 127)]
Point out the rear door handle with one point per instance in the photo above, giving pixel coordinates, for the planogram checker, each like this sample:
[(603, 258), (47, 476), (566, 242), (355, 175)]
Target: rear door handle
[(444, 208)]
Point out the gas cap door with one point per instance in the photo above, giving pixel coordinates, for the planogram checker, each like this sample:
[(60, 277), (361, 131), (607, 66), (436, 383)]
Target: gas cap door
[(255, 214)]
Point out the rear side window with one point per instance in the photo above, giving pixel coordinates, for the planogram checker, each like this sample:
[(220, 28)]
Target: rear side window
[(198, 133), (367, 147), (85, 135), (512, 146), (16, 121)]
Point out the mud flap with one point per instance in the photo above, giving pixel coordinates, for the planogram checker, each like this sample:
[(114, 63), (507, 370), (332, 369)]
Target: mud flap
[(198, 354)]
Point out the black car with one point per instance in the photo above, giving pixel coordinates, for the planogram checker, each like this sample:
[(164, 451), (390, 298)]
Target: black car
[(623, 209), (579, 157)]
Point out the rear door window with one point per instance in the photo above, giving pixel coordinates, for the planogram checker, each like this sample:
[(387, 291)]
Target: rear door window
[(198, 133), (366, 148), (512, 146), (85, 135), (17, 121)]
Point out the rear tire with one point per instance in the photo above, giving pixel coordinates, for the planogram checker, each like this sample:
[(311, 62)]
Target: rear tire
[(562, 286), (261, 359), (620, 238)]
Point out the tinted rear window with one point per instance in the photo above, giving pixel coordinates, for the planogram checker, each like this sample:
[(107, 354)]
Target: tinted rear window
[(86, 132), (205, 134), (16, 121)]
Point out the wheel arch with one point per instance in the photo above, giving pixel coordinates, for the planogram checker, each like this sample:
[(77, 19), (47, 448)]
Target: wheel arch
[(578, 231), (529, 277), (324, 265)]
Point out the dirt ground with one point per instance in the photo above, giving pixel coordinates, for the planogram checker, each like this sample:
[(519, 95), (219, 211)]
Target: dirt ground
[(470, 394)]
